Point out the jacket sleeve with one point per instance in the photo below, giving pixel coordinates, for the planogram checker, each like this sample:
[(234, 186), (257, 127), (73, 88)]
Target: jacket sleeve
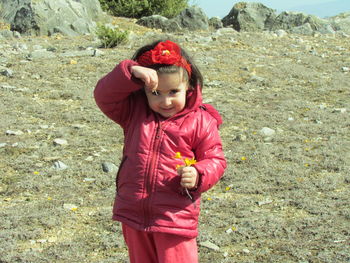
[(113, 92), (211, 162)]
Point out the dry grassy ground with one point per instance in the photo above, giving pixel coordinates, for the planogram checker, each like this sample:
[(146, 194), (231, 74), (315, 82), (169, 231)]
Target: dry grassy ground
[(284, 198)]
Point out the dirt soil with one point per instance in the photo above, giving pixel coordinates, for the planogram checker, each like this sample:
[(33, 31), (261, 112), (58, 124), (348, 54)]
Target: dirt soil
[(285, 197)]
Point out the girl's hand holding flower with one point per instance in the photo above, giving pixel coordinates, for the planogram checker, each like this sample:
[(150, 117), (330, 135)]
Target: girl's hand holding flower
[(189, 176)]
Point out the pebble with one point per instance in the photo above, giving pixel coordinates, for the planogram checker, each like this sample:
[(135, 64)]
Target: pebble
[(267, 132), (108, 167), (246, 250), (6, 72), (345, 69), (59, 141), (339, 110), (209, 245), (58, 165), (10, 132), (3, 144)]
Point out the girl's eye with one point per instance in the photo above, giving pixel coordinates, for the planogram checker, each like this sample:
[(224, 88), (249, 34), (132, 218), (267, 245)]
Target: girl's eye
[(155, 93), (174, 91)]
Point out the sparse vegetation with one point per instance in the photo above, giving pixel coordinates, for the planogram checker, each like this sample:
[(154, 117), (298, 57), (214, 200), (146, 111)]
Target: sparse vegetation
[(110, 36), (140, 8)]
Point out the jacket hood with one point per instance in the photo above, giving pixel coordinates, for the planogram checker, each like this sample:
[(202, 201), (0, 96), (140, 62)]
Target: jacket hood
[(195, 101)]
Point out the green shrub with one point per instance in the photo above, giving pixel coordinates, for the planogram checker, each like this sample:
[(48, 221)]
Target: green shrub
[(111, 37), (140, 8)]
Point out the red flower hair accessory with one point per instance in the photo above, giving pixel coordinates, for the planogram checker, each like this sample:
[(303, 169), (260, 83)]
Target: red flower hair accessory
[(168, 53)]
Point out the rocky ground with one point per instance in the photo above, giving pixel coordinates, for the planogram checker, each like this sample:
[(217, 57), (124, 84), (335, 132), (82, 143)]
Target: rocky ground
[(285, 101)]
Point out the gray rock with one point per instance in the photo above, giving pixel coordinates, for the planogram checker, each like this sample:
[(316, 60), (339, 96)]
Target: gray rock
[(6, 72), (304, 29), (209, 245), (215, 22), (160, 22), (16, 133), (59, 141), (249, 17), (58, 165), (297, 22), (46, 17), (8, 34), (108, 167), (41, 54), (192, 18), (267, 132), (341, 22)]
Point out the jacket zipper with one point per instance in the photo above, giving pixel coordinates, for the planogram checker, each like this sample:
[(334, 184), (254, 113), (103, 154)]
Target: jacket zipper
[(150, 176)]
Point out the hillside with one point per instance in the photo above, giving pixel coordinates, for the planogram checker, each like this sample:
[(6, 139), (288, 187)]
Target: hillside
[(284, 197)]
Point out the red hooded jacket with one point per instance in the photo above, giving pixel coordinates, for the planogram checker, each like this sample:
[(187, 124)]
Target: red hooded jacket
[(149, 196)]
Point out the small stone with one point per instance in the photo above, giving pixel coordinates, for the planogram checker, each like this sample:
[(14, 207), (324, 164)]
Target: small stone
[(265, 202), (6, 72), (89, 158), (108, 167), (60, 142), (290, 119), (209, 245), (246, 250), (52, 239), (58, 165), (9, 132), (267, 132), (281, 33), (345, 69), (229, 231), (97, 53), (89, 179), (240, 137), (3, 144), (339, 110)]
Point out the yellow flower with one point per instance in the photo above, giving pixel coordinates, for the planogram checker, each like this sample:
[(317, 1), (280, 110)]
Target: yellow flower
[(190, 162), (209, 199), (243, 158), (36, 173), (49, 198), (178, 155), (74, 209), (227, 188)]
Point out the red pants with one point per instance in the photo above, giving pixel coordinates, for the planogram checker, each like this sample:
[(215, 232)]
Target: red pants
[(152, 247)]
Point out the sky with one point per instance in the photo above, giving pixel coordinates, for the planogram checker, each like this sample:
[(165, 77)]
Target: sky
[(320, 8)]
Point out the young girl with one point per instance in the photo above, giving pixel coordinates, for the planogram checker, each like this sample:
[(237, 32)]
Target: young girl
[(172, 151)]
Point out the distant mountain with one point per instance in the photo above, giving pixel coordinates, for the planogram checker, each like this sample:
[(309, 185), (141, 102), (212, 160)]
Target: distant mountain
[(327, 9)]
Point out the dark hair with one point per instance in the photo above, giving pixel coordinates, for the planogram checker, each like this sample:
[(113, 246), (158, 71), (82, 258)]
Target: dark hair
[(196, 76)]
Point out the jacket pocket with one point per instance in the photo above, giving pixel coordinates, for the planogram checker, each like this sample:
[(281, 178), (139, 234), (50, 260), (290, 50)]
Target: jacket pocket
[(119, 169)]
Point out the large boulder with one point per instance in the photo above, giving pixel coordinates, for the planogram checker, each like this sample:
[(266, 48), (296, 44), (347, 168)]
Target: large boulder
[(293, 21), (160, 22), (341, 22), (46, 17), (192, 18), (249, 17)]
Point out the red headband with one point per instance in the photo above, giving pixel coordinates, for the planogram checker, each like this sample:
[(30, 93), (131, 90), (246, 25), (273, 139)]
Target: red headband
[(168, 53)]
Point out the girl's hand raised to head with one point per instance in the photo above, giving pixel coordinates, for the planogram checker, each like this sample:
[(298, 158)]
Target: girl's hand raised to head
[(147, 75)]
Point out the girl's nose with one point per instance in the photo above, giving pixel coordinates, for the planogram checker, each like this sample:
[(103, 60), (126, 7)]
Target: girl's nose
[(167, 101)]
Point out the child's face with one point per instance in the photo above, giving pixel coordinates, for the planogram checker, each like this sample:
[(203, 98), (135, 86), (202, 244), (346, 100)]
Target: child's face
[(170, 95)]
